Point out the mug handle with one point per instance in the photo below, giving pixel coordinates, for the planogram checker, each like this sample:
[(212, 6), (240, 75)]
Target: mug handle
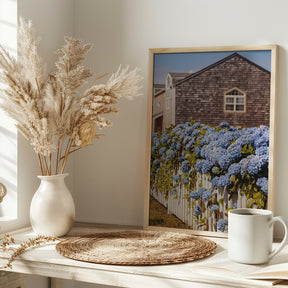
[(285, 238)]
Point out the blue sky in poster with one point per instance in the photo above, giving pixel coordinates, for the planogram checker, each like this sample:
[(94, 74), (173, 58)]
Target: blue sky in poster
[(195, 61)]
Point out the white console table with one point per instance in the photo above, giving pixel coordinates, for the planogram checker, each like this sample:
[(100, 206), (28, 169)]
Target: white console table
[(208, 272)]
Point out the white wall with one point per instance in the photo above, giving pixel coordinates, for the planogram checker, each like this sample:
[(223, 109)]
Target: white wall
[(110, 174), (8, 131), (109, 180)]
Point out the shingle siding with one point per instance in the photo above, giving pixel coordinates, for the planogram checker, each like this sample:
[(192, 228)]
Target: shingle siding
[(201, 97)]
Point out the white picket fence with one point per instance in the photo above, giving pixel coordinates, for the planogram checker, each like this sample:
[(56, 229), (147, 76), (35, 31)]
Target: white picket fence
[(182, 206)]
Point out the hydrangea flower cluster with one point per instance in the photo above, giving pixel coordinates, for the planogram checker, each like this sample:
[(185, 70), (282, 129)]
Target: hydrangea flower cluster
[(221, 225), (236, 159)]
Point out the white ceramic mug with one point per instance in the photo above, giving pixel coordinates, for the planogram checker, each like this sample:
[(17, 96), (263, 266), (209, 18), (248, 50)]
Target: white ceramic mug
[(250, 235)]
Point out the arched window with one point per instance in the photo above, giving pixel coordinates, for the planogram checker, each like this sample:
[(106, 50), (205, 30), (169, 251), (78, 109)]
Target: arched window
[(235, 101)]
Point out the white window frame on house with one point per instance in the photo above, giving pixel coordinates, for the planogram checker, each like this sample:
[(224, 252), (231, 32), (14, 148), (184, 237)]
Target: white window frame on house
[(168, 91), (234, 99), (168, 96), (168, 81)]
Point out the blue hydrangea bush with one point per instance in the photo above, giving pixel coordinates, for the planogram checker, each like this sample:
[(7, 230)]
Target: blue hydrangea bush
[(200, 172)]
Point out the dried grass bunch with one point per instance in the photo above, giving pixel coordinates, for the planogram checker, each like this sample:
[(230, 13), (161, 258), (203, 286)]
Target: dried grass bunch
[(46, 107), (7, 241)]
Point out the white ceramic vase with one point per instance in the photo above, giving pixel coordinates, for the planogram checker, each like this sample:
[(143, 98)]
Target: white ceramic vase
[(52, 210)]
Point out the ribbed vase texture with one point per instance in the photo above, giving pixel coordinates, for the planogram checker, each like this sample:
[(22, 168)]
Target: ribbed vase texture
[(52, 210)]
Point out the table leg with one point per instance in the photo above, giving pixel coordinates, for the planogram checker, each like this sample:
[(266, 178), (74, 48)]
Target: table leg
[(56, 283)]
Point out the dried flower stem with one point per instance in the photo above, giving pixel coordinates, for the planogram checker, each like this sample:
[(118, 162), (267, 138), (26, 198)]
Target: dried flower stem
[(47, 108), (6, 241), (46, 166), (24, 246), (57, 157), (50, 164), (40, 164), (66, 155), (59, 160), (70, 152), (99, 77)]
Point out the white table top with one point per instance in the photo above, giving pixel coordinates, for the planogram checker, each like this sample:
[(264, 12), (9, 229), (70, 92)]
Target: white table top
[(214, 271)]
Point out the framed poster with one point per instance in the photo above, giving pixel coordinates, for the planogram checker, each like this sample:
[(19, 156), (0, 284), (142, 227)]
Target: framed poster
[(210, 141)]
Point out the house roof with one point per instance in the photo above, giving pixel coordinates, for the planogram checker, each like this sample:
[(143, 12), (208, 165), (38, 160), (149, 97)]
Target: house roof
[(160, 92), (177, 76), (159, 86), (218, 63)]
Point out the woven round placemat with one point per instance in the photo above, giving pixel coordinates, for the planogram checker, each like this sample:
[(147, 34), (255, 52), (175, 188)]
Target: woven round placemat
[(136, 247)]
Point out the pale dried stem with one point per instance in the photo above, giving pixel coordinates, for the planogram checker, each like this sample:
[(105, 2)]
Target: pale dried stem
[(46, 166), (40, 163), (66, 155), (99, 77), (50, 163), (57, 157), (61, 148), (24, 246), (70, 152), (38, 88), (44, 106)]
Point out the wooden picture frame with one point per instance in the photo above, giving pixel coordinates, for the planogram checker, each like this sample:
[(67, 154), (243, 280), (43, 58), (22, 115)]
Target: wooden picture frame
[(210, 135)]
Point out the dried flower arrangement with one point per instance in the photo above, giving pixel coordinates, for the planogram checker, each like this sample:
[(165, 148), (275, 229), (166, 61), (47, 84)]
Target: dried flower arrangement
[(3, 191), (46, 108), (6, 242)]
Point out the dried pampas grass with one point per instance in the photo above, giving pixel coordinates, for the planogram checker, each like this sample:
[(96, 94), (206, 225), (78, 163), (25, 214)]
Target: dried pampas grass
[(46, 107), (7, 242)]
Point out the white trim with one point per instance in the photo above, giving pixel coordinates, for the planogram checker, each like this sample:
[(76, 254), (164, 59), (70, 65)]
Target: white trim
[(167, 98), (173, 104), (241, 95)]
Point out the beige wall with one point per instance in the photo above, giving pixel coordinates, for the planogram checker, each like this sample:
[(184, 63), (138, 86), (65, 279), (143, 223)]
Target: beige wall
[(110, 174)]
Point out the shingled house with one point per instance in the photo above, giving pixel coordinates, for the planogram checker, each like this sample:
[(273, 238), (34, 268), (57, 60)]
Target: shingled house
[(162, 104), (234, 89)]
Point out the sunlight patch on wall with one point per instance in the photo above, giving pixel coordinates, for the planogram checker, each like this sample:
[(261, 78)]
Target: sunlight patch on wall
[(8, 132)]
